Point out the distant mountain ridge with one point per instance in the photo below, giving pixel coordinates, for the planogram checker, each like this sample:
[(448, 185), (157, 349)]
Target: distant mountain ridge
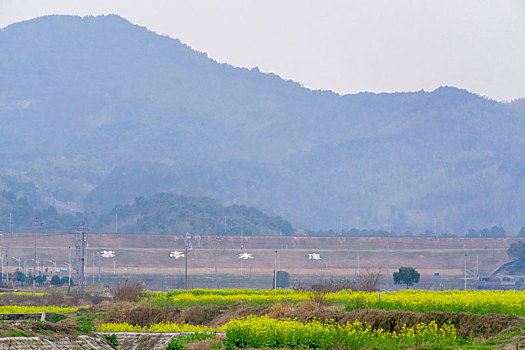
[(96, 111)]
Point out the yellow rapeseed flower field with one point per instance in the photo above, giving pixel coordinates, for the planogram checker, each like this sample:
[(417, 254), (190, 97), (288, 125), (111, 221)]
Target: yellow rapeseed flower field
[(264, 331), (479, 302), (14, 309)]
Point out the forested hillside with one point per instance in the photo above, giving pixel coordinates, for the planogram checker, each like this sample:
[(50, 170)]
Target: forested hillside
[(163, 213), (166, 213), (95, 112)]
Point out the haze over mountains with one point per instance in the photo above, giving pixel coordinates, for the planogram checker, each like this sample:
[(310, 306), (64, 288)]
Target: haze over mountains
[(96, 111)]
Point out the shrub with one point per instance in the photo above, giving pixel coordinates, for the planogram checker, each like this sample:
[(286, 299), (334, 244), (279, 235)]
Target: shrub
[(365, 282), (180, 342), (283, 279), (40, 279), (65, 280), (112, 340), (128, 292), (20, 277), (517, 250), (56, 281), (332, 286), (85, 322), (369, 281)]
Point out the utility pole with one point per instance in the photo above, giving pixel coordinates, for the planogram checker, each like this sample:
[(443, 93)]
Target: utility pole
[(82, 254), (275, 271), (18, 260), (69, 272), (186, 272), (216, 247), (242, 246), (116, 223), (477, 265), (11, 223), (6, 268), (86, 262), (34, 256), (188, 242), (54, 264), (465, 271), (242, 234), (99, 266), (93, 268)]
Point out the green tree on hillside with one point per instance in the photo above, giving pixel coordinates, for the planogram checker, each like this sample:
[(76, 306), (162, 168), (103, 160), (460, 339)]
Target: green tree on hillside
[(517, 251)]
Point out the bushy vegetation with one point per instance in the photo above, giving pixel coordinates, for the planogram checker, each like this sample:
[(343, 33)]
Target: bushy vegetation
[(128, 292), (367, 281), (180, 342), (112, 340), (517, 251)]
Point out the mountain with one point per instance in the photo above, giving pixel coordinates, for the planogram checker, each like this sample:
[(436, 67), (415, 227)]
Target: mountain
[(96, 111)]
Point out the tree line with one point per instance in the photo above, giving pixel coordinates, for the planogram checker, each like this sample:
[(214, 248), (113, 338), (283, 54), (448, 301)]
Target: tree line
[(166, 213)]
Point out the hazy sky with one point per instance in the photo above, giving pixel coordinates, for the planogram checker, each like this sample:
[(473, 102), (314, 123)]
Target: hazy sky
[(346, 46)]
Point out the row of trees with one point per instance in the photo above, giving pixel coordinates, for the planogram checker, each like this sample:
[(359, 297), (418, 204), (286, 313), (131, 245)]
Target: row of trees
[(24, 279), (492, 232), (166, 213), (495, 231)]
